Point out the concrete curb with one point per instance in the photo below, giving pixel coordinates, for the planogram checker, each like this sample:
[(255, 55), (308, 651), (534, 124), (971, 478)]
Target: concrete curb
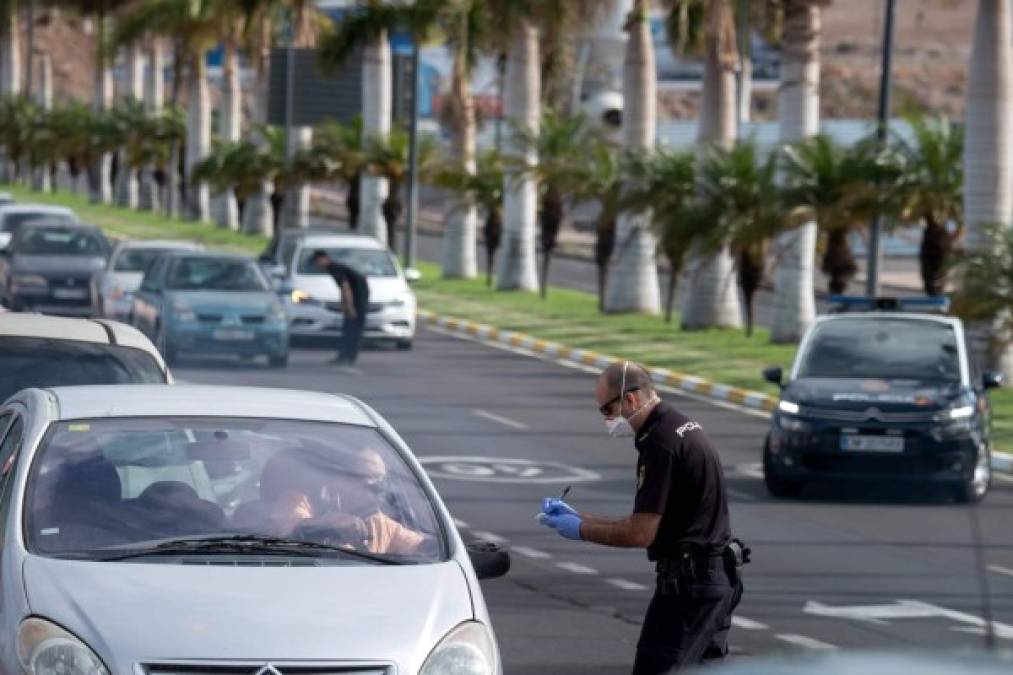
[(754, 400)]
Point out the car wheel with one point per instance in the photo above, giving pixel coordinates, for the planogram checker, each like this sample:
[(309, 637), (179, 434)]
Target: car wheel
[(974, 486), (404, 344), (278, 360), (777, 485)]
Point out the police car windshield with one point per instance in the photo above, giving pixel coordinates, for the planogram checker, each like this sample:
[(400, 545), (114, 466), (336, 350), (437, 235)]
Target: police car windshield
[(895, 349)]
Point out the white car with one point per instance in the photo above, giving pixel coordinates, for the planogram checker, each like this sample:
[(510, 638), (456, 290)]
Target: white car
[(313, 300), (13, 215), (189, 529), (113, 288), (49, 351)]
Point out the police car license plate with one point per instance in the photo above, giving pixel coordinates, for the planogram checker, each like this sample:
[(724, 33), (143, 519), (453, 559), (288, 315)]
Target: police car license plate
[(858, 443), (227, 335)]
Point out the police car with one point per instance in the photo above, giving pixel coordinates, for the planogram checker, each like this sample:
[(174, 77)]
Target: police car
[(880, 390)]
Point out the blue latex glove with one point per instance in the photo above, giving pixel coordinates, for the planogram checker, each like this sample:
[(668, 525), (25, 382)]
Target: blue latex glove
[(566, 525), (552, 506)]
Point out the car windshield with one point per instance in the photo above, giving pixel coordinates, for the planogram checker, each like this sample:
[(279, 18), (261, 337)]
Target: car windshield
[(135, 259), (59, 240), (896, 349), (119, 487), (367, 261), (215, 274), (38, 362), (12, 221)]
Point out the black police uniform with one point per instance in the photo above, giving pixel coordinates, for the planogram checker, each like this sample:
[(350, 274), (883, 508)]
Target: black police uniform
[(351, 329), (679, 476)]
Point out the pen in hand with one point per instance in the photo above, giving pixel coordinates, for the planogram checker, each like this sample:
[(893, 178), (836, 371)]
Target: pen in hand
[(566, 491)]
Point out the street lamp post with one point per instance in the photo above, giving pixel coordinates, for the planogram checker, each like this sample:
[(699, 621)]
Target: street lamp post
[(882, 126), (31, 48), (413, 162)]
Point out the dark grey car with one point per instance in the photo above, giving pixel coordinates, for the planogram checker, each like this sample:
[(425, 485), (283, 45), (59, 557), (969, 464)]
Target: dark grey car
[(48, 267)]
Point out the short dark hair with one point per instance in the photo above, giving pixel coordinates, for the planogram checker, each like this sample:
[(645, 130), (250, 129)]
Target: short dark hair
[(318, 254)]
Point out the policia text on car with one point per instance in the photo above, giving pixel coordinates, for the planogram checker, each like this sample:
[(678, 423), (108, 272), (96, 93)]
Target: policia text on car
[(680, 516)]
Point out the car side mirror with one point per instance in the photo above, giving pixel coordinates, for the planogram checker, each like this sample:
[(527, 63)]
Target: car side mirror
[(992, 380), (412, 275), (774, 375), (489, 560)]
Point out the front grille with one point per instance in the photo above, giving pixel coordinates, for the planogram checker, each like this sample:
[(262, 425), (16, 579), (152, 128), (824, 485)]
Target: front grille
[(859, 416), (210, 318), (253, 320), (871, 464), (265, 668)]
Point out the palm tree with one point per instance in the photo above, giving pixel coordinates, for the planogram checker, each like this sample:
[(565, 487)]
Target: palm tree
[(988, 171), (17, 117), (388, 157), (985, 296), (930, 191), (713, 299), (337, 154), (230, 120), (196, 25), (798, 106), (603, 184), (633, 282)]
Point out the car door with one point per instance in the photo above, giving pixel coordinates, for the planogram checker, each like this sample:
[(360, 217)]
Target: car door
[(148, 299)]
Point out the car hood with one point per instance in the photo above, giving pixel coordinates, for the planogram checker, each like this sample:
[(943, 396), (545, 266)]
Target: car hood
[(860, 394), (57, 265), (323, 288), (141, 611), (226, 302)]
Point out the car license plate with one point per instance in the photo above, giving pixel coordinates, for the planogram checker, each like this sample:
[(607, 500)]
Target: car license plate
[(872, 443), (225, 334), (70, 293)]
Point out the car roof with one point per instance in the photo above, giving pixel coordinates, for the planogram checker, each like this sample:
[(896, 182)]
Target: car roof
[(34, 208), (20, 324), (342, 241), (906, 316), (180, 244), (159, 400), (201, 253)]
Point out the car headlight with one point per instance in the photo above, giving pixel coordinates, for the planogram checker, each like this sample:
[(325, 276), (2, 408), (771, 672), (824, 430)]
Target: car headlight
[(182, 312), (33, 280), (468, 649), (793, 424), (46, 649), (788, 407), (299, 296), (960, 412)]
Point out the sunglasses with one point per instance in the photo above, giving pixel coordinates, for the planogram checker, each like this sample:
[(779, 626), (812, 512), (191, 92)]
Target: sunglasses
[(606, 408)]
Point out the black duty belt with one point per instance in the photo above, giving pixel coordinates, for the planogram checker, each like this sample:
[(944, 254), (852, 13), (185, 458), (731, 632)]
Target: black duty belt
[(693, 559)]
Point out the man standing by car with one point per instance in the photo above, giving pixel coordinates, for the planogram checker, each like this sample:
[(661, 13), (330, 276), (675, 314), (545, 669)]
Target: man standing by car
[(680, 516), (355, 298)]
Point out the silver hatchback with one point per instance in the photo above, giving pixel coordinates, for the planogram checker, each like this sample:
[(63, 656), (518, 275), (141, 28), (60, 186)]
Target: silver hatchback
[(209, 530)]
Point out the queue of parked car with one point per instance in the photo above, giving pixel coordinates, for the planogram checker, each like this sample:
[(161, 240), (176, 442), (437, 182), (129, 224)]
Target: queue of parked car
[(129, 505)]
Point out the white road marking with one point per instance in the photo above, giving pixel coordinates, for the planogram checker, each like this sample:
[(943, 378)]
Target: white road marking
[(504, 470), (904, 609), (753, 470), (499, 419), (350, 370), (460, 523), (530, 552), (626, 585), (488, 536), (999, 569), (803, 641), (576, 568), (748, 624), (744, 496)]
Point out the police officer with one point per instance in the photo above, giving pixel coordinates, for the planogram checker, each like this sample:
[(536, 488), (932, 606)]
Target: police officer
[(680, 516), (355, 298)]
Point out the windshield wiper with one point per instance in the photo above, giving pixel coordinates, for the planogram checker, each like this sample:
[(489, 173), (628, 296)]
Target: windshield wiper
[(249, 543)]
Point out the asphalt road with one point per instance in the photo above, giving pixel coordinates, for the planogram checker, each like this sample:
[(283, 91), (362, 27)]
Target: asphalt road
[(839, 569)]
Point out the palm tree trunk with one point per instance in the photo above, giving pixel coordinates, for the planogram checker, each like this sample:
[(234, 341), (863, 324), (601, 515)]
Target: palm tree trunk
[(673, 281), (198, 139), (516, 266), (10, 55), (604, 245), (795, 251), (230, 121), (297, 202), (393, 206), (257, 213), (838, 261), (744, 88), (127, 186), (988, 153), (43, 178), (492, 232), (461, 230), (633, 284), (154, 98), (552, 215), (376, 113), (712, 299), (101, 188)]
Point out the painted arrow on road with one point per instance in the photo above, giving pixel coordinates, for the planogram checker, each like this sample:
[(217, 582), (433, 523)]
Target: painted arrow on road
[(907, 609)]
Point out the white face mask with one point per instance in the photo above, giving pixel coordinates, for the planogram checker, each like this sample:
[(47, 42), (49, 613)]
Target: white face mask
[(619, 426)]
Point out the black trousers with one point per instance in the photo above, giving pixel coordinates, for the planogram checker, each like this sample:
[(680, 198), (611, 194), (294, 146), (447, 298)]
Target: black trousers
[(351, 336), (688, 620)]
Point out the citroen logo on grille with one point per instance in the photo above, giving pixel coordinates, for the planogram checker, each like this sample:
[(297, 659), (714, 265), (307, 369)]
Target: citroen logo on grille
[(872, 414), (268, 669)]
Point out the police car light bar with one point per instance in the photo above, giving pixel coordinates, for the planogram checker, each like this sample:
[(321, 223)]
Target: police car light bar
[(864, 303)]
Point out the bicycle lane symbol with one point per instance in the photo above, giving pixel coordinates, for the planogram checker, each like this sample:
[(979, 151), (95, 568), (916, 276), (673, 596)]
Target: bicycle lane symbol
[(500, 470)]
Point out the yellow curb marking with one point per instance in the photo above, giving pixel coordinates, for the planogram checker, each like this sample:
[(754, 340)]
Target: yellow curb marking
[(516, 340), (737, 395)]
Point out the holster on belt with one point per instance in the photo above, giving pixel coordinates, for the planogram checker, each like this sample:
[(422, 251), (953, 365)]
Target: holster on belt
[(736, 554)]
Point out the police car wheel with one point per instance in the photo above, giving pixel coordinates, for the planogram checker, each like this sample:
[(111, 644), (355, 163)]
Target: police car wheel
[(778, 486), (975, 486)]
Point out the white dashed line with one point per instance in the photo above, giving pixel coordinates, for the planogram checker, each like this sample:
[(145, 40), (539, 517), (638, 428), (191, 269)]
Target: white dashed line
[(350, 370), (460, 524), (499, 419), (803, 641), (999, 569), (530, 552), (626, 585), (748, 624), (744, 496), (488, 536), (576, 568)]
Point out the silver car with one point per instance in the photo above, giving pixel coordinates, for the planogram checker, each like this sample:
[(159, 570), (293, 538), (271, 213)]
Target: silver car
[(114, 286), (215, 530)]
